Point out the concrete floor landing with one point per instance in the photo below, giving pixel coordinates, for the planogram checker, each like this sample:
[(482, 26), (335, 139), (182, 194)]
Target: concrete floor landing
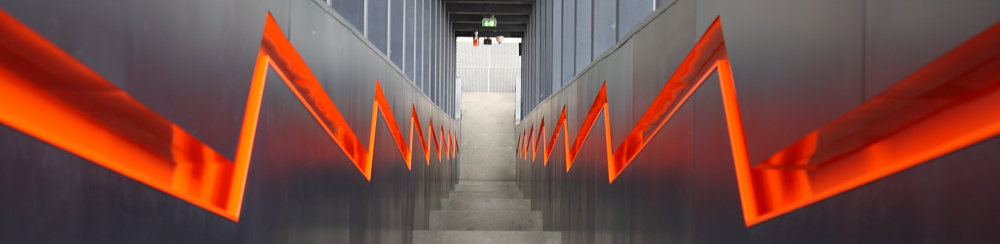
[(486, 206)]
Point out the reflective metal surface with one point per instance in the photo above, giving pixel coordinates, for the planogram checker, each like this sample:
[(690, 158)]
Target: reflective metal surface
[(191, 63), (803, 64)]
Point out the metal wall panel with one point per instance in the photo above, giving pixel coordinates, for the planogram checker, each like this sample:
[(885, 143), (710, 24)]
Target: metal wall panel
[(605, 26), (584, 45), (631, 13), (902, 36), (773, 46), (353, 11), (568, 43), (398, 20), (797, 66), (410, 40), (555, 48), (661, 207), (488, 68), (192, 63), (378, 24)]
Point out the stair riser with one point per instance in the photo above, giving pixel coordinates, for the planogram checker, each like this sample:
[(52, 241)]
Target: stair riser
[(488, 237), (461, 187), (486, 220), (485, 204), (486, 183), (486, 194)]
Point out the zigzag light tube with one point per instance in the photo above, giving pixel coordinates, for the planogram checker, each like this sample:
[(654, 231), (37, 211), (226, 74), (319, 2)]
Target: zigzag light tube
[(63, 102), (938, 109)]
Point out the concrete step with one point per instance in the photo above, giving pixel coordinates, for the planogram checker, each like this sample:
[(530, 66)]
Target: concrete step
[(487, 182), (485, 194), (486, 220), (505, 237), (461, 187), (486, 204)]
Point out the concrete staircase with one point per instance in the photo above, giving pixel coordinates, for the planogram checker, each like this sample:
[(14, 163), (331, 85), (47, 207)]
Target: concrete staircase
[(485, 212)]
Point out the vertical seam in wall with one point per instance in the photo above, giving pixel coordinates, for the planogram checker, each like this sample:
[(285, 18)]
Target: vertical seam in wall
[(365, 23), (591, 58), (288, 14), (423, 43), (402, 63), (388, 29), (617, 21)]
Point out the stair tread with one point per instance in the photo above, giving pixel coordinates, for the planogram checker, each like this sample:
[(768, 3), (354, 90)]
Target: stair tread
[(458, 236), (485, 204)]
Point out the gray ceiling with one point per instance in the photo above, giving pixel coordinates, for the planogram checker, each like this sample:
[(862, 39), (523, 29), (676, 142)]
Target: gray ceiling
[(467, 15)]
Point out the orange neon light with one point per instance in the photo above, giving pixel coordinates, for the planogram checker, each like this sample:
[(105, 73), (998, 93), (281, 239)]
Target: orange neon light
[(936, 110), (415, 125), (447, 144), (63, 102), (520, 144), (442, 142), (531, 134), (452, 145), (534, 150), (434, 137)]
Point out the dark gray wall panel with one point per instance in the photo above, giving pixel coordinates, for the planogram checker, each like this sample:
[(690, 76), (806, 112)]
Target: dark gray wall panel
[(410, 40), (616, 70), (398, 20), (662, 205), (943, 200), (131, 50), (611, 201), (419, 42), (378, 24), (604, 26), (353, 11), (584, 24), (661, 197), (192, 62), (568, 43), (659, 51), (556, 44), (774, 48), (630, 13), (903, 36), (797, 65), (717, 214)]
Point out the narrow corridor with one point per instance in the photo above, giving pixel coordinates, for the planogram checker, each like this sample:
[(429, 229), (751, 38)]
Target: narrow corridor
[(486, 206)]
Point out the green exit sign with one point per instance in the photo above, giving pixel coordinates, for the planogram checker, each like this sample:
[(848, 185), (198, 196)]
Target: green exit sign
[(489, 23)]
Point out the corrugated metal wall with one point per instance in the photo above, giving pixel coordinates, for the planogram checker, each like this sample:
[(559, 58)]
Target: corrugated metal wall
[(488, 68)]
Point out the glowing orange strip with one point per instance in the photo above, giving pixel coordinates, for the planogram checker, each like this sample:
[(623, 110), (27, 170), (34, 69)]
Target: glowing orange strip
[(434, 137), (534, 150), (63, 102), (454, 139), (935, 111), (528, 144), (415, 124), (520, 147)]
